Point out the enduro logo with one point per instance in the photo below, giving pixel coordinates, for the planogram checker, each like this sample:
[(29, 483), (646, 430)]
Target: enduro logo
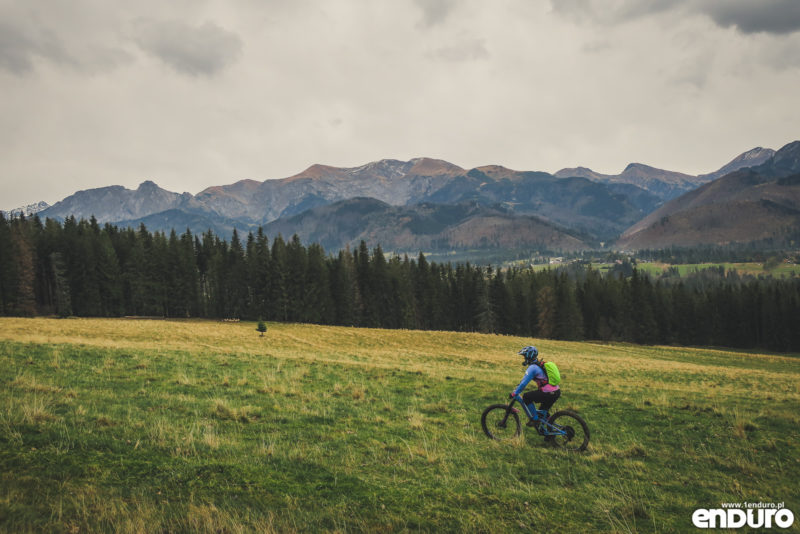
[(736, 515)]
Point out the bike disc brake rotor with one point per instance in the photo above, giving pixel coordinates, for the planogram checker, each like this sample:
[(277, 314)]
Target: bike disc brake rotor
[(570, 432)]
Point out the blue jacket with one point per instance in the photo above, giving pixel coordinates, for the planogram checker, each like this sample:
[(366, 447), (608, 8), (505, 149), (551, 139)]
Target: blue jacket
[(534, 372)]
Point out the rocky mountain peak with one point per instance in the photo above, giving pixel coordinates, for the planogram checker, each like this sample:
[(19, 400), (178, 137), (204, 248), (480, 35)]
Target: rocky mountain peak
[(579, 169), (432, 167), (148, 185), (711, 214), (788, 157), (385, 168), (751, 158), (642, 171), (638, 168), (29, 209), (582, 172), (114, 203), (316, 172), (497, 171), (757, 153)]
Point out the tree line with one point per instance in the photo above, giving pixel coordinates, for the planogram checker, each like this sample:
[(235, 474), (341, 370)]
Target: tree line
[(80, 268)]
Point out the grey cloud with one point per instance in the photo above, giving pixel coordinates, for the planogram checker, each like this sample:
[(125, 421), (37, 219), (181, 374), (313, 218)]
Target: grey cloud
[(577, 10), (784, 54), (434, 11), (748, 16), (16, 49), (695, 71), (570, 7), (770, 16), (23, 43), (595, 47), (203, 50), (468, 50), (602, 11), (631, 10)]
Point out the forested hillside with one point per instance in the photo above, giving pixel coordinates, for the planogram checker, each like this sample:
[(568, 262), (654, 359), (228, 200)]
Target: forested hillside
[(80, 268)]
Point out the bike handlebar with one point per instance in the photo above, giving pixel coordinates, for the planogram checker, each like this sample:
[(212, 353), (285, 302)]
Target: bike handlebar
[(517, 398)]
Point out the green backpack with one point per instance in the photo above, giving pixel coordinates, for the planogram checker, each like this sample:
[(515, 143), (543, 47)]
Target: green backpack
[(552, 373)]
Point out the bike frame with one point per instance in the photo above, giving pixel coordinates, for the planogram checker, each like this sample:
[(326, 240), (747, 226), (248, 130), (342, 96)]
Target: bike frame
[(549, 429)]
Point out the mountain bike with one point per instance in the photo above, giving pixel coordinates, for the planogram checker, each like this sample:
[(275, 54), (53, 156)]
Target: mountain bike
[(565, 429)]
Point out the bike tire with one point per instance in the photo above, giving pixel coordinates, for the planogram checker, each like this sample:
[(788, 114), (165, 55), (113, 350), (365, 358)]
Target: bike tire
[(577, 438), (497, 426)]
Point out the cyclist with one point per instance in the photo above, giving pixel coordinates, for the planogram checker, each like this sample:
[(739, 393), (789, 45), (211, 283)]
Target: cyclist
[(546, 395)]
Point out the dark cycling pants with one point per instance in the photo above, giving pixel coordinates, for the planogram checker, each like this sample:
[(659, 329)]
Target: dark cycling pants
[(545, 400)]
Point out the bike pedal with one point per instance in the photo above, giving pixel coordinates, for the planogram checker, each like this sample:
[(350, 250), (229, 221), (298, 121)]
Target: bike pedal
[(532, 422)]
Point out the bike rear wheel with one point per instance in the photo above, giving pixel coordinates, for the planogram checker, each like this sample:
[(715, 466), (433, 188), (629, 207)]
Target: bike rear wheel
[(573, 432), (499, 423)]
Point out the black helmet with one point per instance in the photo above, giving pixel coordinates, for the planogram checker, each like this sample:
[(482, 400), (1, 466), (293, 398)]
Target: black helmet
[(530, 354)]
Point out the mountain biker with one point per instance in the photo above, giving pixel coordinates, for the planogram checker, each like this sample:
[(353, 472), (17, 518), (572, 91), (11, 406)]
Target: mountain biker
[(546, 395)]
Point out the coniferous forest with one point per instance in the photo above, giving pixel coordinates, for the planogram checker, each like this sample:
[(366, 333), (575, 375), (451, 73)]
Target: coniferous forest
[(78, 268)]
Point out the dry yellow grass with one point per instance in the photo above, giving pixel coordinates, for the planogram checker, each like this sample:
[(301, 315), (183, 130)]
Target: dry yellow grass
[(368, 413), (436, 354), (389, 348)]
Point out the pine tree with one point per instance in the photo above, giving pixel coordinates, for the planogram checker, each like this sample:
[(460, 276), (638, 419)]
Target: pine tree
[(645, 329), (501, 303), (344, 289), (8, 275), (485, 316), (189, 272), (258, 260), (546, 306), (278, 275), (22, 250), (589, 297), (380, 288), (62, 297), (367, 313), (235, 279), (107, 272), (568, 318), (404, 305), (317, 304), (296, 278)]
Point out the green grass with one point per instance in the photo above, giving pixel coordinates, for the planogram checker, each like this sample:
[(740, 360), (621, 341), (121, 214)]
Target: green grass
[(143, 426), (755, 269), (684, 269)]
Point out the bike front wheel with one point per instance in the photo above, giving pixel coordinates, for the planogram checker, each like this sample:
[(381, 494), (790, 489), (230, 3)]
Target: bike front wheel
[(569, 431), (500, 423)]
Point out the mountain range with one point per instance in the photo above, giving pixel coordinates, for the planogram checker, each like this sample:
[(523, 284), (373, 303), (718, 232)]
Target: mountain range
[(574, 203), (430, 204), (425, 226), (752, 204), (669, 184), (29, 209)]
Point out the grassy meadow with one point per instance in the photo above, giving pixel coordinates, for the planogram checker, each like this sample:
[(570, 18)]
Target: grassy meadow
[(684, 269), (200, 426), (753, 269)]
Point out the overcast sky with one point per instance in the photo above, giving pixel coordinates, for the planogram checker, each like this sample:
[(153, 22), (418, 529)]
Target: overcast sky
[(192, 93)]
